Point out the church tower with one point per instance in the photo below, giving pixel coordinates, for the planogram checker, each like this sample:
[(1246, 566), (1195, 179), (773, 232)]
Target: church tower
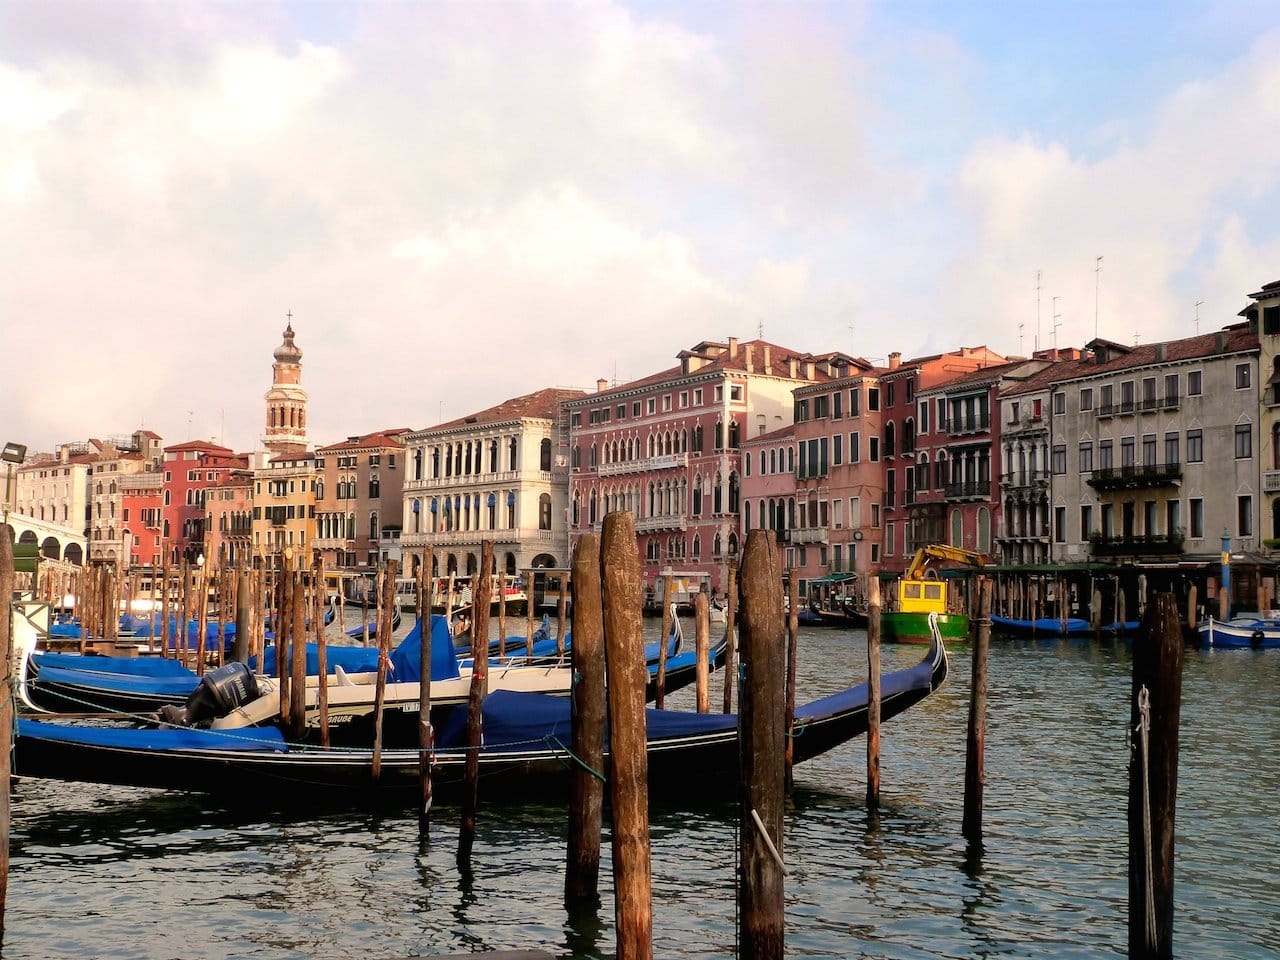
[(286, 400)]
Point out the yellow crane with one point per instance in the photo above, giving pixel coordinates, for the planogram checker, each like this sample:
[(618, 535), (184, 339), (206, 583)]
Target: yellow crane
[(921, 592)]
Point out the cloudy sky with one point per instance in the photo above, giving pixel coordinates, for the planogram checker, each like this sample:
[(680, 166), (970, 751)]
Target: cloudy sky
[(463, 202)]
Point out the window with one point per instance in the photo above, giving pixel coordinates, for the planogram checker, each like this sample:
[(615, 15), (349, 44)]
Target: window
[(1105, 459), (888, 394), (1242, 376), (1196, 505), (1195, 446), (835, 404), (855, 451), (1171, 389), (1059, 403), (1244, 441), (855, 405), (684, 399), (635, 405), (1126, 452), (1086, 456), (1086, 398), (1172, 517), (1148, 449), (1059, 524), (837, 449), (1058, 458), (1194, 379), (888, 539), (873, 398), (651, 405), (875, 515), (1171, 448), (1086, 521), (666, 403), (873, 449), (1271, 320), (1244, 516)]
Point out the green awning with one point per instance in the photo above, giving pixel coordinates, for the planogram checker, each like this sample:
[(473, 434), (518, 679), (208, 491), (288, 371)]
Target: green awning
[(834, 578)]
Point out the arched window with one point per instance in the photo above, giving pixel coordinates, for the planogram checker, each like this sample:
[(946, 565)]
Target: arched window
[(544, 457), (373, 525), (733, 434), (320, 489), (576, 506), (733, 493), (717, 498), (984, 530), (957, 529), (512, 458), (889, 437), (697, 497)]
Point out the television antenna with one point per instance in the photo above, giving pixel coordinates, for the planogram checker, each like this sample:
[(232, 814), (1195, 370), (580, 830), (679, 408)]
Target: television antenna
[(1056, 324), (1198, 302)]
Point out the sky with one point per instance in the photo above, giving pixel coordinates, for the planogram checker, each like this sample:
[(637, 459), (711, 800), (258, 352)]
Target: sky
[(459, 203)]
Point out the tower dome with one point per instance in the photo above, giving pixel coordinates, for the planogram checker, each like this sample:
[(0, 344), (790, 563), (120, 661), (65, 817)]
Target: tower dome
[(288, 351)]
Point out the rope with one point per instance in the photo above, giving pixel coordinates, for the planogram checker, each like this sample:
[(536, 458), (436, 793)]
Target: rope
[(552, 740), (768, 841), (1143, 730)]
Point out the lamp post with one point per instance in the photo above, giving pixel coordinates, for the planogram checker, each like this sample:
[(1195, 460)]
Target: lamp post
[(12, 453)]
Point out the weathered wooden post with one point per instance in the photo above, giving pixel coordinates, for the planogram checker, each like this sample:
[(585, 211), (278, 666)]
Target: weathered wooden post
[(6, 705), (319, 602), (586, 796), (298, 652), (1192, 619), (502, 614), (283, 621), (731, 634), (668, 615), (425, 733), (1156, 703), (244, 616), (475, 701), (387, 600), (873, 691), (760, 907), (793, 632), (975, 776), (166, 608), (530, 578), (202, 617), (628, 755), (561, 615), (702, 650)]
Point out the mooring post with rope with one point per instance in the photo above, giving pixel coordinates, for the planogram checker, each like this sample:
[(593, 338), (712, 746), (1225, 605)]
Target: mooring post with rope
[(873, 691), (762, 732), (975, 776), (622, 600), (730, 633), (426, 735), (1153, 779), (587, 713), (793, 633)]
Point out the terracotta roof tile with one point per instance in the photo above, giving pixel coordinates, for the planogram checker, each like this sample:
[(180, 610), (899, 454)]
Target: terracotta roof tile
[(543, 404)]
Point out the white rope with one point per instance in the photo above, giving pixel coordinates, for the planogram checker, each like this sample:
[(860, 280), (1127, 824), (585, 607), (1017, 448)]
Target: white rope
[(768, 842), (1143, 730)]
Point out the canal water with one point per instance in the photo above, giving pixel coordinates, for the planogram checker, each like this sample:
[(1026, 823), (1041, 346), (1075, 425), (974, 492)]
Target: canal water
[(117, 873)]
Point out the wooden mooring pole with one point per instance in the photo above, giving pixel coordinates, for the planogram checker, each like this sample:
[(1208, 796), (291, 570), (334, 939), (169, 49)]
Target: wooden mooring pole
[(668, 615), (480, 596), (731, 635), (622, 597), (587, 698), (789, 697), (6, 705), (426, 735), (873, 684), (386, 607), (702, 651), (1156, 703), (975, 753), (760, 906)]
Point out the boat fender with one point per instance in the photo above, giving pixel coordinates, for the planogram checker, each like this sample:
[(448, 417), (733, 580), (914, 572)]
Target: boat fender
[(1257, 638)]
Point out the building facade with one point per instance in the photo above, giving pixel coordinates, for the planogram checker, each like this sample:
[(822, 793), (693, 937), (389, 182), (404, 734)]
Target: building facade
[(501, 474), (359, 497), (229, 520), (117, 459), (284, 510), (667, 448), (190, 469), (1263, 316)]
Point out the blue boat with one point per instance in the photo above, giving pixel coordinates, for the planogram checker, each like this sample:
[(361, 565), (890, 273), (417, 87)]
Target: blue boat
[(1249, 633), (523, 752), (1053, 627)]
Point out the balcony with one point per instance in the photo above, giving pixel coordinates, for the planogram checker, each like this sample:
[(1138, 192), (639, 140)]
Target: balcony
[(664, 462), (890, 499), (969, 490), (810, 534), (652, 524), (1024, 480), (958, 426), (1146, 545), (1136, 477), (1271, 481)]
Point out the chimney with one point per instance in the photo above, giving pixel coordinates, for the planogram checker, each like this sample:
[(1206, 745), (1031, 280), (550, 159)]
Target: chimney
[(895, 360), (733, 348), (746, 356), (792, 368), (768, 360), (808, 369), (601, 385), (1160, 352), (1220, 342)]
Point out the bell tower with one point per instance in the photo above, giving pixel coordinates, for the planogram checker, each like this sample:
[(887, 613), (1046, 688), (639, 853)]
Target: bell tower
[(286, 400)]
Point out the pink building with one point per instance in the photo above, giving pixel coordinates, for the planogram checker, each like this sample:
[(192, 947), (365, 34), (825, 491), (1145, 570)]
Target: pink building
[(189, 470), (667, 448)]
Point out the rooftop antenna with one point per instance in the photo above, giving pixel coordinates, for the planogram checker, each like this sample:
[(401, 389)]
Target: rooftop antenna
[(1198, 302), (1056, 324), (760, 330), (190, 415), (1020, 326), (1097, 281), (1036, 342)]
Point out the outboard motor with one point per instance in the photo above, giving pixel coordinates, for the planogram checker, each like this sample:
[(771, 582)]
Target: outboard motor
[(220, 691)]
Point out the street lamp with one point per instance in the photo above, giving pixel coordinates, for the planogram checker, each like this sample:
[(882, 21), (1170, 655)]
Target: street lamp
[(12, 453)]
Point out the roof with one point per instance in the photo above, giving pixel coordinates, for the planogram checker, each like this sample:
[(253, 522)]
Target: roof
[(1234, 339), (983, 375), (205, 446), (782, 433), (542, 404), (378, 440), (747, 357)]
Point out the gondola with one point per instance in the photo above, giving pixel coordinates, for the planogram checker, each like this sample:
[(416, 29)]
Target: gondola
[(524, 751)]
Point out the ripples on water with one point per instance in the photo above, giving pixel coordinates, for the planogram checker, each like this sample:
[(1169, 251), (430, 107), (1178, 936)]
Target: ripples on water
[(107, 872)]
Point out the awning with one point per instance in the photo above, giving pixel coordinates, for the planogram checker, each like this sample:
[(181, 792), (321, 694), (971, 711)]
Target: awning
[(834, 578)]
